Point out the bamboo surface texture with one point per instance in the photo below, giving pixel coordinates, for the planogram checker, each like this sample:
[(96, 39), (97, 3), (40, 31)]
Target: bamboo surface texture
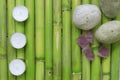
[(52, 52)]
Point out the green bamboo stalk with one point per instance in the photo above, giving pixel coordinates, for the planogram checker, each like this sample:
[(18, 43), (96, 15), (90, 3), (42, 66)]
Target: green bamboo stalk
[(29, 49), (119, 71), (20, 28), (11, 29), (57, 40), (0, 69), (115, 57), (76, 51), (48, 40), (3, 52), (66, 56), (40, 70), (85, 61), (106, 61), (118, 18), (115, 61), (40, 25), (85, 68), (96, 63), (86, 1), (57, 52)]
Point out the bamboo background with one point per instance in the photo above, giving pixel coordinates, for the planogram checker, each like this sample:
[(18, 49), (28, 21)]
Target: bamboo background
[(51, 52)]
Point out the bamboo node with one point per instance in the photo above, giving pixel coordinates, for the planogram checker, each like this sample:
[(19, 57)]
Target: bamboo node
[(77, 75), (3, 56)]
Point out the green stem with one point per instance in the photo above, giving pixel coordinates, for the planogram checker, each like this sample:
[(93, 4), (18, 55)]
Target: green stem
[(76, 51), (118, 63), (95, 65), (66, 56), (85, 61), (3, 52), (57, 52), (20, 28), (48, 40), (57, 40), (11, 29), (106, 61), (115, 61), (29, 49), (115, 57), (40, 70), (40, 25)]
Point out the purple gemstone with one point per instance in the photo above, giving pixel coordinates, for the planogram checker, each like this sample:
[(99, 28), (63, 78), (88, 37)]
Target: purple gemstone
[(88, 53), (90, 36), (103, 52), (82, 41)]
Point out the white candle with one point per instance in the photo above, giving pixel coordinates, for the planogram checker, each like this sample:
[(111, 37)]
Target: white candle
[(18, 40), (20, 13), (17, 67)]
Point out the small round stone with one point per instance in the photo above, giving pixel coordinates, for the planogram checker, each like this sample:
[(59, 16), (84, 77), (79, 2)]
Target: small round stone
[(86, 16), (109, 32)]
